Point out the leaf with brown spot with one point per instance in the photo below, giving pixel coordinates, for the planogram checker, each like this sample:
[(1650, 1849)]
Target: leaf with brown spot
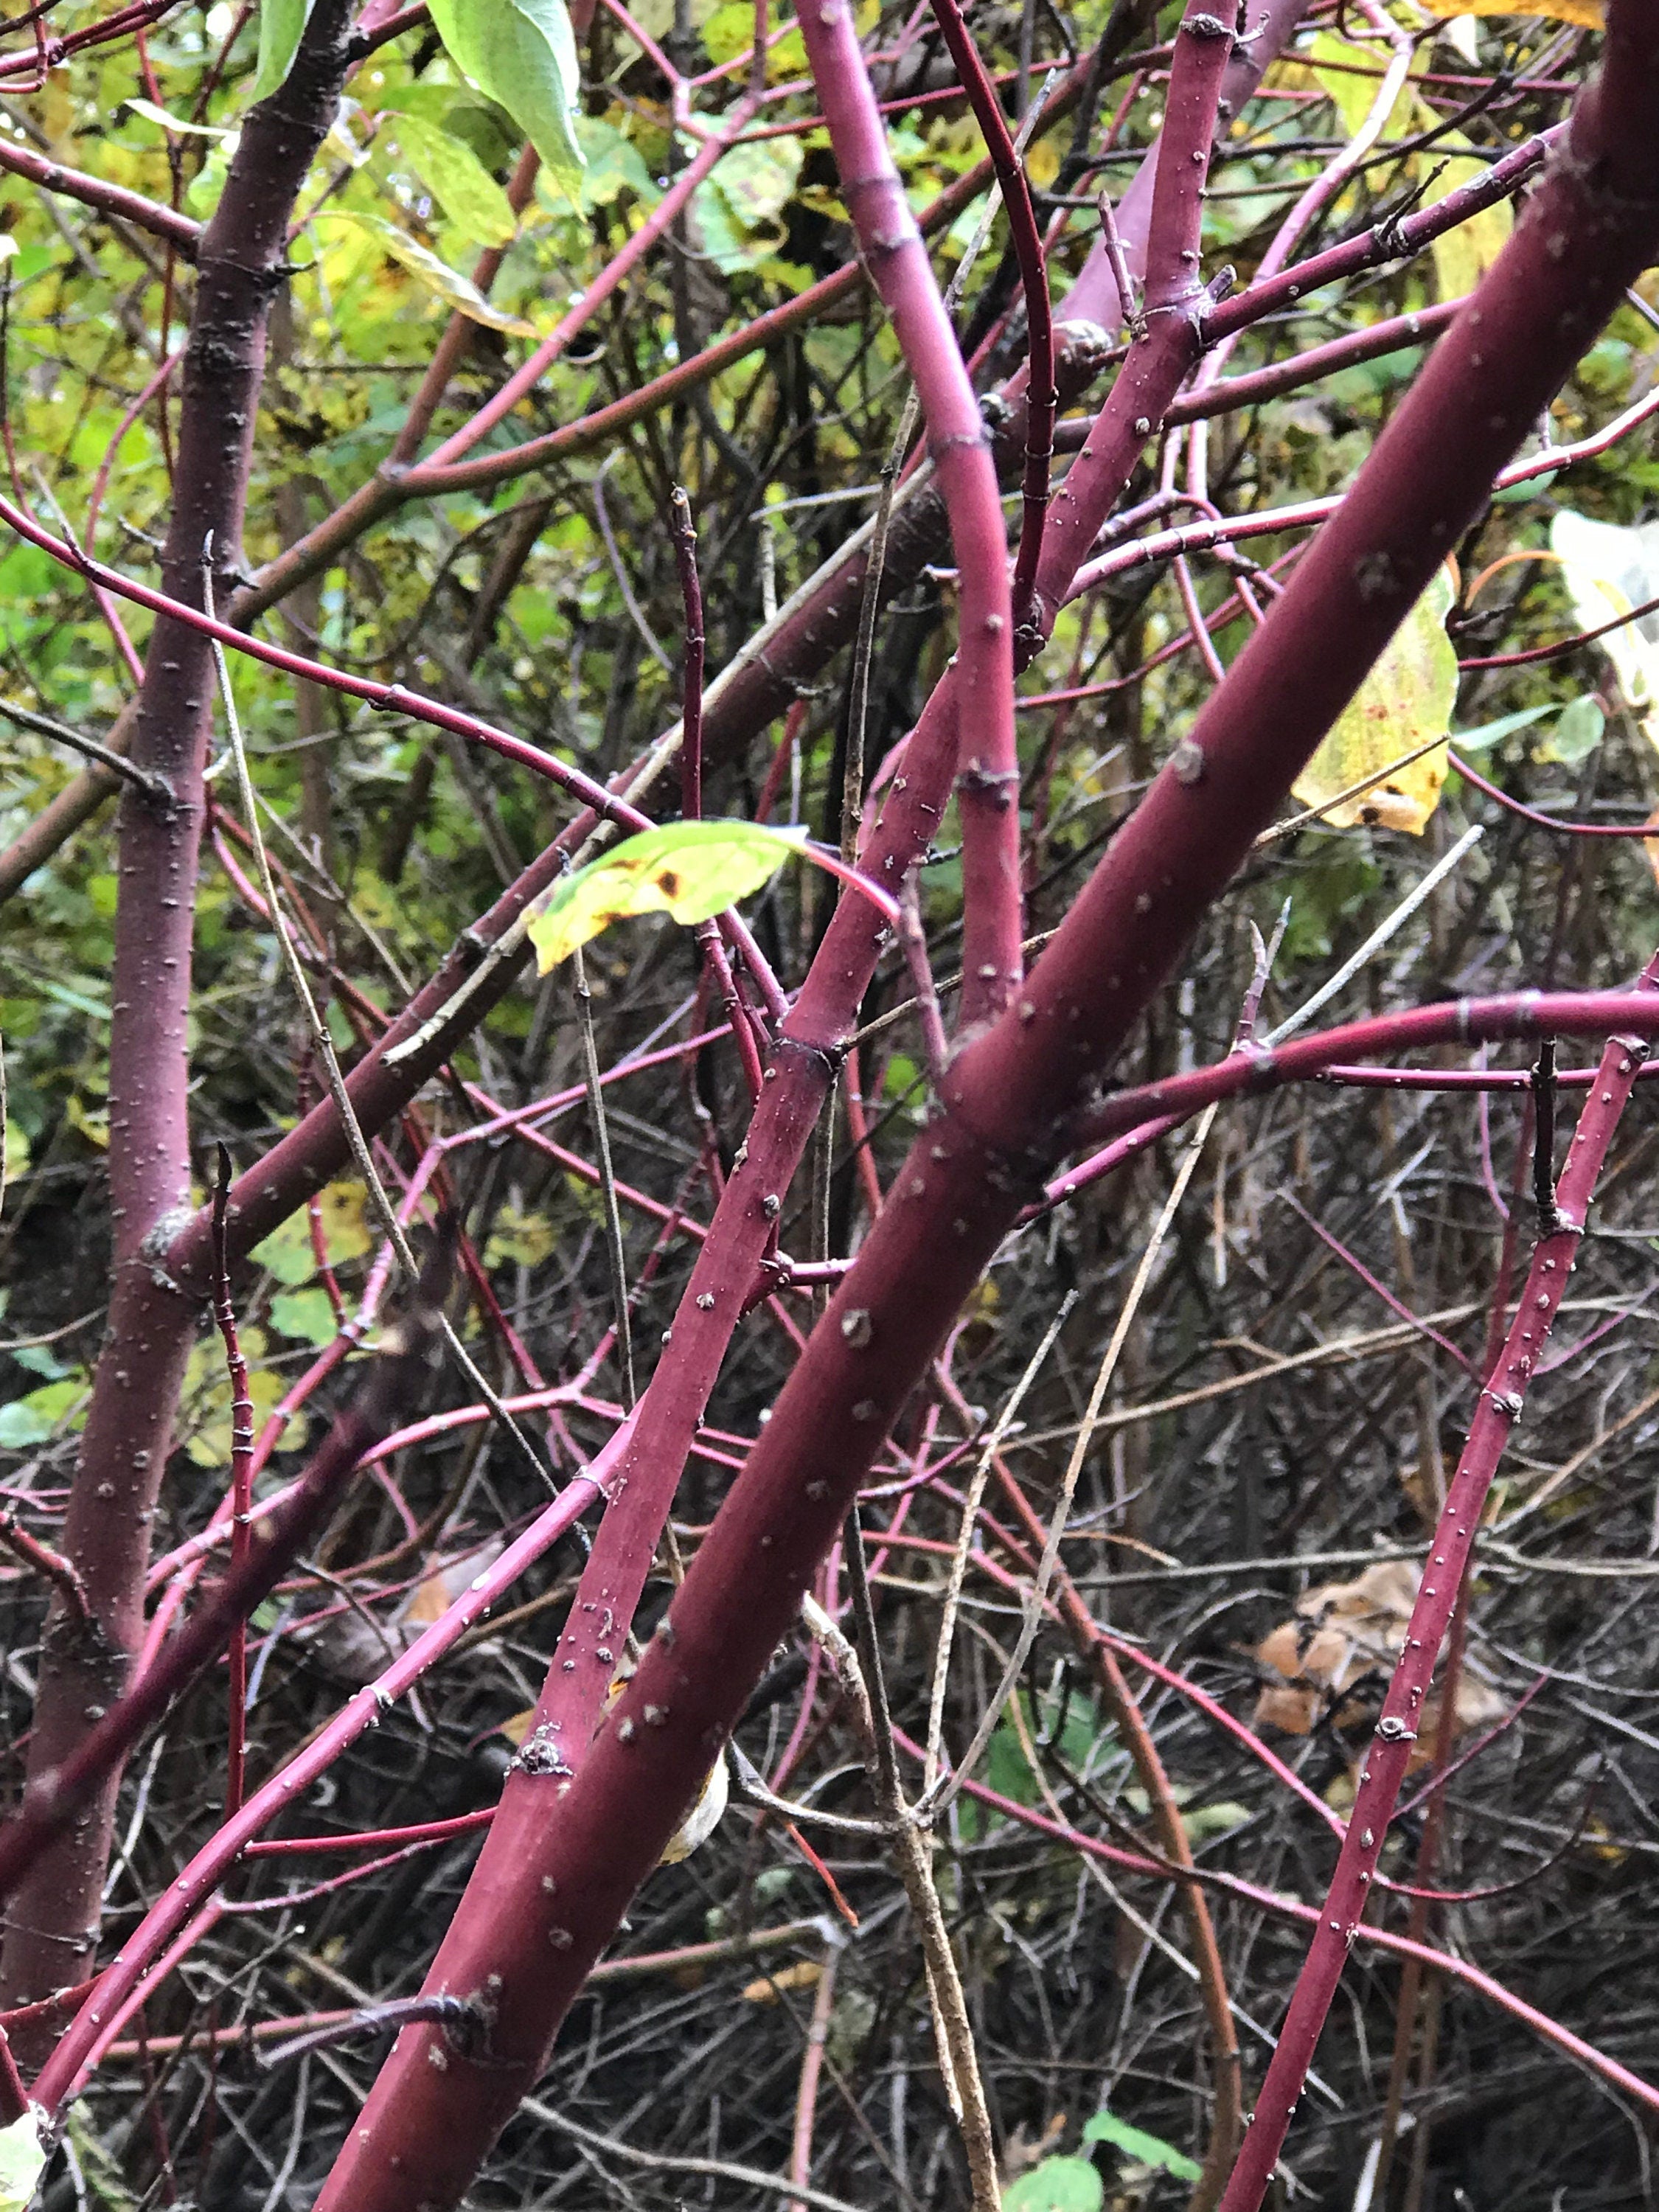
[(690, 870)]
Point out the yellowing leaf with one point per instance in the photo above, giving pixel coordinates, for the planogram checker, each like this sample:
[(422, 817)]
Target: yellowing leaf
[(525, 1239), (1463, 256), (1589, 13), (1043, 162), (738, 211), (163, 121), (1406, 700), (1353, 83), (690, 870), (469, 195), (207, 1427), (305, 1315), (22, 2159), (450, 286), (287, 1251), (705, 1816)]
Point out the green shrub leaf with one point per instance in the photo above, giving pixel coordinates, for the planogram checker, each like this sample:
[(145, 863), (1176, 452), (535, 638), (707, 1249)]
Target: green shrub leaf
[(282, 25), (1136, 2143), (521, 53)]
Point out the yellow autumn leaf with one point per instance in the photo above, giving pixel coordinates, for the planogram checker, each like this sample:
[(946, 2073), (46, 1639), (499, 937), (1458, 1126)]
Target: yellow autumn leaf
[(1350, 77), (1609, 571), (207, 1433), (1406, 700), (690, 870), (288, 1253), (1043, 162), (1589, 12), (22, 2159), (448, 284), (1463, 256)]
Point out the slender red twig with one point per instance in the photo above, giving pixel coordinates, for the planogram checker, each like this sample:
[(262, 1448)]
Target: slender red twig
[(1521, 1014), (1537, 817), (241, 1488), (684, 534), (123, 1986), (60, 1572)]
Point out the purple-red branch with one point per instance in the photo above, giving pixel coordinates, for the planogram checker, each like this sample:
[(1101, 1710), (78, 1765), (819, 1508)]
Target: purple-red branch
[(1590, 228), (1042, 397), (1384, 1766), (987, 783)]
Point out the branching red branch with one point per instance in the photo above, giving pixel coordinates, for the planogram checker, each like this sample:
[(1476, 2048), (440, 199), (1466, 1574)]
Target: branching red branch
[(987, 783), (121, 1988), (1383, 1770), (55, 1801), (1173, 336), (1519, 1016), (180, 231), (51, 1565), (1590, 228), (54, 1915), (1276, 1904)]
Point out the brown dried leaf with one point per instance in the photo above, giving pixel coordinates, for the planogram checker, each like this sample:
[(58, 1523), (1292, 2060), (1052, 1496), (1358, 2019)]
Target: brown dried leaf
[(804, 1974)]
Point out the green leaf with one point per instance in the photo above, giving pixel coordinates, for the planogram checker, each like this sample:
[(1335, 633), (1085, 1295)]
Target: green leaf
[(615, 166), (304, 1314), (1136, 2143), (281, 23), (467, 194), (737, 210), (22, 2160), (1059, 2184), (1481, 739), (521, 53), (40, 1360), (451, 287), (33, 1418), (1406, 700), (1217, 1820), (1575, 735), (690, 870)]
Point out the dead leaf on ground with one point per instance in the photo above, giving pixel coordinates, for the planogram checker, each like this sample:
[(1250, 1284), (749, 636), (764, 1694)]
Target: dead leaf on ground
[(804, 1974), (1348, 1634)]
